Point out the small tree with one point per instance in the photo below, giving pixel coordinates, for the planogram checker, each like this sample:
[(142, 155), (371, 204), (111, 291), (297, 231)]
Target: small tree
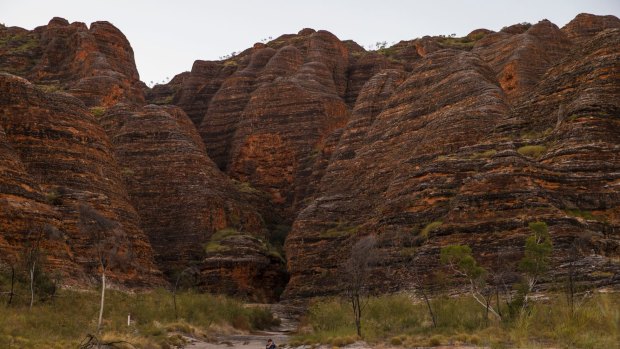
[(107, 238), (355, 272), (535, 262), (461, 261)]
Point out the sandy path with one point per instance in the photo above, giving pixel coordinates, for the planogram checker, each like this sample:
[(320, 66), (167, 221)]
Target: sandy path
[(258, 340)]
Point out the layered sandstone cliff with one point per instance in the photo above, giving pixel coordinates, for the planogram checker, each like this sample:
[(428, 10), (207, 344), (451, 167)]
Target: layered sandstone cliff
[(428, 142)]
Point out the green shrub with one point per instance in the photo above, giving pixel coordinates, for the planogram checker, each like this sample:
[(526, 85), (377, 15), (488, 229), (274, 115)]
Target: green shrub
[(214, 245), (263, 319), (534, 151)]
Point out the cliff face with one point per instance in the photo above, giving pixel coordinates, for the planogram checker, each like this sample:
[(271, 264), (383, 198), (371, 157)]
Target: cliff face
[(183, 200), (428, 142), (77, 132), (56, 158), (457, 153)]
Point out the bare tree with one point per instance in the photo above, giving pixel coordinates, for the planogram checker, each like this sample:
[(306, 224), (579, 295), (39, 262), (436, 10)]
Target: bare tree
[(33, 257), (12, 291), (421, 287), (191, 270), (356, 269), (108, 239)]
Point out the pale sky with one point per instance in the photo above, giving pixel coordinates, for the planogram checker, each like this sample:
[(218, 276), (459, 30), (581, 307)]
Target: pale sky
[(167, 36)]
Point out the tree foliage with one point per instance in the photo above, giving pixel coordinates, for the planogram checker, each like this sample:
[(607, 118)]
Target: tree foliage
[(536, 258), (459, 258)]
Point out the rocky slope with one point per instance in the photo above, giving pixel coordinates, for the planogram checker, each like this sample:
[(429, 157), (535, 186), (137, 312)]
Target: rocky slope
[(313, 142)]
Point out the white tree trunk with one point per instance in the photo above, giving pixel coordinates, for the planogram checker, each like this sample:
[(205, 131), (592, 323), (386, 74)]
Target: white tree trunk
[(32, 285), (102, 301)]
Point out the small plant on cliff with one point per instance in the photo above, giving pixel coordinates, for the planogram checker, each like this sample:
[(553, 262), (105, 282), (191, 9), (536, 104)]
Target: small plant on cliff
[(109, 243), (215, 242), (54, 195), (98, 111)]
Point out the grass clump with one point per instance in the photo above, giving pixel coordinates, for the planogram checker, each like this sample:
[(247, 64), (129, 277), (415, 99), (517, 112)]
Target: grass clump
[(340, 230), (584, 214), (429, 228), (435, 341), (484, 155), (51, 88), (533, 151)]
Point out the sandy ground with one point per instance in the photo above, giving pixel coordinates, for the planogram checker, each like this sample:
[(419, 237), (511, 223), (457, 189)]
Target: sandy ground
[(280, 335)]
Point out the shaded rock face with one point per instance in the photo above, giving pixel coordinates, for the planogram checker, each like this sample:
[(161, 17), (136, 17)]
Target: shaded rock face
[(56, 157), (95, 64), (183, 200), (265, 115)]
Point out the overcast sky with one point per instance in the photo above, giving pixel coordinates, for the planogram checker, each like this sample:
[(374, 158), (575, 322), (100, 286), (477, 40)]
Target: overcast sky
[(167, 36)]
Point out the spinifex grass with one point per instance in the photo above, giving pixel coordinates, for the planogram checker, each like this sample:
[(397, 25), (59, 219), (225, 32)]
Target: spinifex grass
[(66, 320), (399, 320)]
